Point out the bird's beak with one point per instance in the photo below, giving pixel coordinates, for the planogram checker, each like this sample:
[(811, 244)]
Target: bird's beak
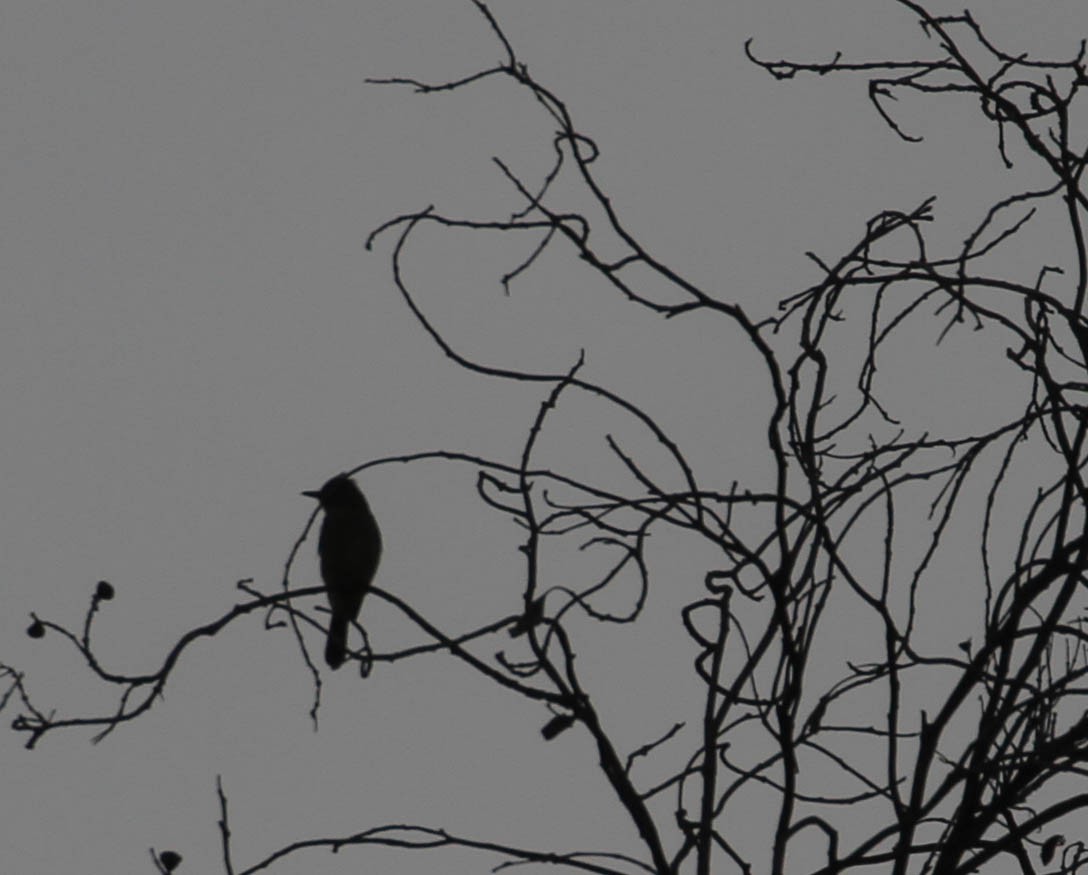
[(311, 494)]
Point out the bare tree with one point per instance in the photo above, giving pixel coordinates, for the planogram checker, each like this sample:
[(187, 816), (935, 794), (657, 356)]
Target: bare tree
[(926, 756)]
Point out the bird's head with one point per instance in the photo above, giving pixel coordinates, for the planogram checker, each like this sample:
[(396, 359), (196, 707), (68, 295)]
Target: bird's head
[(340, 491)]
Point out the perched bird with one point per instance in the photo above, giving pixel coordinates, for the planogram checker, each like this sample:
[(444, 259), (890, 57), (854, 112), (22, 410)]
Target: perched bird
[(350, 546)]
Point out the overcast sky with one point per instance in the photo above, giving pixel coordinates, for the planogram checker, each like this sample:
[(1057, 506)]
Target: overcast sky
[(191, 333)]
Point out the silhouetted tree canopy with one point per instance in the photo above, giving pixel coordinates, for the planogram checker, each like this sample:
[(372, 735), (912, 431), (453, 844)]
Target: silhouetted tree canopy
[(929, 755)]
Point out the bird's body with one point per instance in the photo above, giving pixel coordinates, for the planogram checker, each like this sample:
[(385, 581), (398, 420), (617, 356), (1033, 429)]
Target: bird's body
[(350, 546)]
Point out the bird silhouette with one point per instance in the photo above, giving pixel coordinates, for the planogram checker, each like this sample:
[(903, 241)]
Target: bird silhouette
[(349, 547)]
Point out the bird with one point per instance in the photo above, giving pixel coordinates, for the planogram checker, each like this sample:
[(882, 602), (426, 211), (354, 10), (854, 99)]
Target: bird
[(349, 547)]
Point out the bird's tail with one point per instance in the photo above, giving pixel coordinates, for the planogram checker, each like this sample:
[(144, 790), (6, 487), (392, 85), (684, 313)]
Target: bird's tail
[(336, 645)]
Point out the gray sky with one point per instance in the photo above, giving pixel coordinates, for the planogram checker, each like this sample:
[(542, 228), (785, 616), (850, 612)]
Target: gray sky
[(191, 333)]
